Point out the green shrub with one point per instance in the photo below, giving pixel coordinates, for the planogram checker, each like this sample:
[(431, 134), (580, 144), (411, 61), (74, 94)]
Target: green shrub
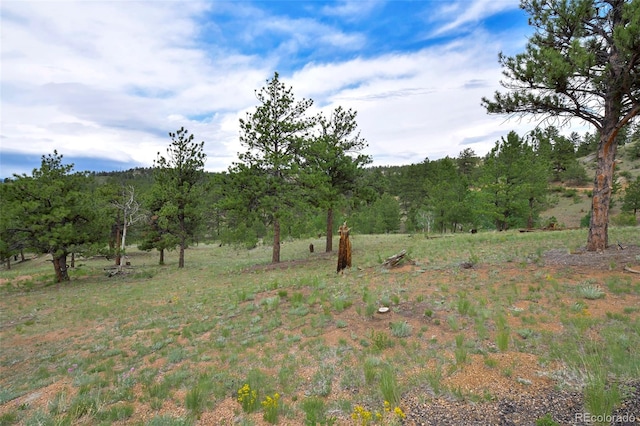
[(461, 352), (546, 420), (502, 339), (381, 340), (591, 292), (389, 386), (315, 412), (401, 329), (195, 400), (624, 219), (271, 408)]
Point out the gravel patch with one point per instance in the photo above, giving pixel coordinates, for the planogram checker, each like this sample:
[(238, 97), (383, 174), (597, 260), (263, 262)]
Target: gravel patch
[(564, 407)]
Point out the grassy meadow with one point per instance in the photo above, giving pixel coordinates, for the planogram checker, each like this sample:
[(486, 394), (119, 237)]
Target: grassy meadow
[(231, 339)]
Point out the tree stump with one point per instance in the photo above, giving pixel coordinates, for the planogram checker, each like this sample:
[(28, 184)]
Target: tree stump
[(344, 249)]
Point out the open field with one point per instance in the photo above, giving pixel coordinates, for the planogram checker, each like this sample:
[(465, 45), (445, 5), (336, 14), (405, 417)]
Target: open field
[(491, 328)]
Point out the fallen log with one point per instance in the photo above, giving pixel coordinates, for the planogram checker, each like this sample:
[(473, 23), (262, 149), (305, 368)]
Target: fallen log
[(634, 271), (395, 260), (114, 270)]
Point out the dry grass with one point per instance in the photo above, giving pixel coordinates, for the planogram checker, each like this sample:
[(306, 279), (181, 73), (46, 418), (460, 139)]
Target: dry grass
[(166, 346)]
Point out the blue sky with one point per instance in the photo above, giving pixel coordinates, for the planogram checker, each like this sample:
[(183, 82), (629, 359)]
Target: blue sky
[(103, 82)]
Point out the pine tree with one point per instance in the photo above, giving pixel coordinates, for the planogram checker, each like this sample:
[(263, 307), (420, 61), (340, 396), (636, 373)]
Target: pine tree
[(582, 62), (178, 189), (54, 212), (268, 171)]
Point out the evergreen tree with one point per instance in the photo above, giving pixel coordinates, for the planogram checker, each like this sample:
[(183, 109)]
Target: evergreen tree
[(631, 200), (560, 153), (514, 183), (179, 187), (447, 192), (274, 136), (379, 217), (333, 164), (156, 233), (12, 239), (588, 145), (582, 62), (468, 163), (54, 212)]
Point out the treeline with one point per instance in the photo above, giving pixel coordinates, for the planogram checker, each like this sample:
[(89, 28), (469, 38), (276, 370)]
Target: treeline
[(300, 176)]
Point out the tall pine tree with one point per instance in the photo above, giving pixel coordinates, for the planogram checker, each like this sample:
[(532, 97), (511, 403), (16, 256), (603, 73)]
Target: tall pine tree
[(582, 62), (54, 212), (268, 171), (178, 187)]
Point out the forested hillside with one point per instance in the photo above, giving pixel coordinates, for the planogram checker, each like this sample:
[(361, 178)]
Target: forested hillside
[(538, 180)]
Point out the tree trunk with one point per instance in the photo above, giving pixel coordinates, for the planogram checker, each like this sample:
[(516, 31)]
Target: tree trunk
[(329, 244), (613, 100), (123, 245), (8, 263), (73, 260), (183, 240), (181, 258), (602, 186), (161, 257), (530, 218), (118, 242), (60, 266), (275, 258)]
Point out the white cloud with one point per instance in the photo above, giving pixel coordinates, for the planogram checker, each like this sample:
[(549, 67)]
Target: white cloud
[(416, 105), (456, 15), (103, 78), (111, 79), (352, 10)]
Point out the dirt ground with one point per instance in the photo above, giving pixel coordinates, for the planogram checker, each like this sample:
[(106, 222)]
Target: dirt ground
[(486, 394), (535, 392)]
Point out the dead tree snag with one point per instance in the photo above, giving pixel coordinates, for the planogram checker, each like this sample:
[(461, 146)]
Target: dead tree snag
[(344, 249)]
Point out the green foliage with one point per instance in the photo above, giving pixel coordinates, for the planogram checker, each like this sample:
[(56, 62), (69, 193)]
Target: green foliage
[(461, 353), (176, 195), (581, 54), (331, 171), (315, 412), (166, 420), (514, 184), (631, 199), (382, 216), (400, 329), (341, 302), (195, 400), (591, 292), (449, 196), (380, 340), (370, 367), (50, 213), (8, 418), (266, 176), (248, 398), (441, 196), (503, 334), (624, 219), (389, 385), (600, 397), (546, 420), (271, 408)]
